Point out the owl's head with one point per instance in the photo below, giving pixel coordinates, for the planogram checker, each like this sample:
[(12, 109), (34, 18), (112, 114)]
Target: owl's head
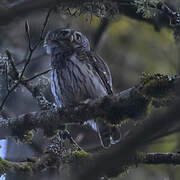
[(66, 40)]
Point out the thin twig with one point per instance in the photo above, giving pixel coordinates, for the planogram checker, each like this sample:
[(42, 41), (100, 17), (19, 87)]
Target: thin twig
[(40, 74), (10, 59), (6, 74), (28, 33), (9, 92), (45, 23), (31, 51), (27, 62)]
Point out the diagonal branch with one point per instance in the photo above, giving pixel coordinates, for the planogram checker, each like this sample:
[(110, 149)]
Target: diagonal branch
[(46, 161), (127, 149), (37, 75), (131, 103), (125, 7)]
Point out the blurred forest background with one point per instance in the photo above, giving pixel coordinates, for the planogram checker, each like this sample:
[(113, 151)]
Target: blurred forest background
[(130, 47)]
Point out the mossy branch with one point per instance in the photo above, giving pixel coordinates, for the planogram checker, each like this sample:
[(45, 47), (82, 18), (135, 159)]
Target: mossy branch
[(75, 162), (131, 103), (15, 167), (136, 9)]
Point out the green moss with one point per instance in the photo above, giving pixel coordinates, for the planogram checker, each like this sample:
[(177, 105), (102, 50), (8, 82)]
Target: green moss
[(24, 78), (134, 107), (28, 136), (6, 166), (3, 166), (27, 168), (155, 85), (146, 7), (80, 155), (78, 160), (51, 130)]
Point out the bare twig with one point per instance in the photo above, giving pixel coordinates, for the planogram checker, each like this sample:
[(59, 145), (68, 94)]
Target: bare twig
[(45, 23), (14, 69), (9, 92), (28, 34), (6, 74), (40, 74), (36, 93), (31, 51)]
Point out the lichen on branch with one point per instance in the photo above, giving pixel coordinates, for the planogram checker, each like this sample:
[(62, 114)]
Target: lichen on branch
[(148, 8), (131, 103), (156, 85)]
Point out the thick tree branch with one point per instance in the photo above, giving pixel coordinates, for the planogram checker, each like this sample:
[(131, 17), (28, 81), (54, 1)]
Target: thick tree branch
[(126, 149), (159, 158), (47, 161), (131, 103), (126, 7)]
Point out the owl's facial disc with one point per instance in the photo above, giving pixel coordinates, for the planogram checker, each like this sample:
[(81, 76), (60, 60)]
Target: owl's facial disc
[(66, 40), (71, 39)]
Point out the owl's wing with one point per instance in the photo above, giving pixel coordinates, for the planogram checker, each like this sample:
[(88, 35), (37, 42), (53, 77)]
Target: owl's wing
[(102, 69), (107, 134)]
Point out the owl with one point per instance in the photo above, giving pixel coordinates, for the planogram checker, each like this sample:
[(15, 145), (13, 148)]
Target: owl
[(79, 74)]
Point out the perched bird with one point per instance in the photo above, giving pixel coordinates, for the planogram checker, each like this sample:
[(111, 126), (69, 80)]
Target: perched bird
[(79, 74)]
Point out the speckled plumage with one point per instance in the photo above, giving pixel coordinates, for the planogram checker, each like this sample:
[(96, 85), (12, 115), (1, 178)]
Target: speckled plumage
[(78, 74)]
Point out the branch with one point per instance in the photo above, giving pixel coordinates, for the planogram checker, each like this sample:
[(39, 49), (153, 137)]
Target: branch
[(43, 103), (82, 159), (125, 7), (19, 77), (131, 103), (158, 158), (37, 75), (126, 149)]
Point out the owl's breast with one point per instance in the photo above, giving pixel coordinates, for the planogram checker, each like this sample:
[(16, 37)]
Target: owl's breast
[(75, 82)]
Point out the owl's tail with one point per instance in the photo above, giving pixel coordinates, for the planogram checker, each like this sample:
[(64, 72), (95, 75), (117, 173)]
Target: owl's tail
[(108, 135)]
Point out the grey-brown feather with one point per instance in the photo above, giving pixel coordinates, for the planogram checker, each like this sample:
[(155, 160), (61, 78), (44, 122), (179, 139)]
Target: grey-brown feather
[(77, 81)]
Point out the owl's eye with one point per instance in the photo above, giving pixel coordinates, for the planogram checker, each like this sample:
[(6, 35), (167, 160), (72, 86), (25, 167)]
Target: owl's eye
[(78, 36)]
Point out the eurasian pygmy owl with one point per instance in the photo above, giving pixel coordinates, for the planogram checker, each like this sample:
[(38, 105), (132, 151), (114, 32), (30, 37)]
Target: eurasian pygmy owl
[(79, 74)]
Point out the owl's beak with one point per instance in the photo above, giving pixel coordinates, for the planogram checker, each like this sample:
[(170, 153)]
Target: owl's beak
[(71, 38)]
